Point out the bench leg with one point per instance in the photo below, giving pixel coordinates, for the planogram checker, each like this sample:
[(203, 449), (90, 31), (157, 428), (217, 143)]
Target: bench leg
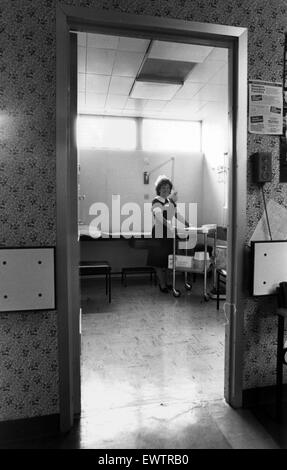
[(124, 279), (217, 291), (110, 287)]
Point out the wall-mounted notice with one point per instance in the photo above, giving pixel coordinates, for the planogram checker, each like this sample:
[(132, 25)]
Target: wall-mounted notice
[(265, 108)]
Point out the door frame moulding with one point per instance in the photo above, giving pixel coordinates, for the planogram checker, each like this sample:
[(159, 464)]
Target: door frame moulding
[(235, 39)]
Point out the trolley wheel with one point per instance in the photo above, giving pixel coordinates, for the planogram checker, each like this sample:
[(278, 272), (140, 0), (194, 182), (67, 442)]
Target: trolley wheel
[(187, 286), (206, 297), (176, 293)]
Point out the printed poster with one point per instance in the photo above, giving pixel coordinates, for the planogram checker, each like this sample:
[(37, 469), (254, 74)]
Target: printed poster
[(265, 108)]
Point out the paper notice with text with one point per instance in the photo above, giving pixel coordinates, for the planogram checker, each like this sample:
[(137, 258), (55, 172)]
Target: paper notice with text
[(265, 108)]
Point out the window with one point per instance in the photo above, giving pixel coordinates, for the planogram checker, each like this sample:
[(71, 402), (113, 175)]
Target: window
[(106, 132), (166, 135)]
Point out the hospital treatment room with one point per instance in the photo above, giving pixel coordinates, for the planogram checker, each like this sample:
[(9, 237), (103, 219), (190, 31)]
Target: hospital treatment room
[(153, 192)]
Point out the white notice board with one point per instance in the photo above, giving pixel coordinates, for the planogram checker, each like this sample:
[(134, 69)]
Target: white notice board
[(269, 266), (27, 280)]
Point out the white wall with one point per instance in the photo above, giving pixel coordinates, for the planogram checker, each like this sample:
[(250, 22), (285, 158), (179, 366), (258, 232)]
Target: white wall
[(107, 172), (215, 169)]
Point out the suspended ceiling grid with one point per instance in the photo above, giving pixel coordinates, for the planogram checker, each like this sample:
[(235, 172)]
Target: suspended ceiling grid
[(109, 68)]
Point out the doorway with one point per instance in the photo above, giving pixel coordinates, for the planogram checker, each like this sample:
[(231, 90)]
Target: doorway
[(232, 38), (170, 102)]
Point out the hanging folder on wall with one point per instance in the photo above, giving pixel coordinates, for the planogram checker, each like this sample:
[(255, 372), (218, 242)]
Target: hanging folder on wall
[(27, 279), (269, 266)]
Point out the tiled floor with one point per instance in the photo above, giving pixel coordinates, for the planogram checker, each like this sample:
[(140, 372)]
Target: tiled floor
[(152, 372), (152, 347), (152, 375)]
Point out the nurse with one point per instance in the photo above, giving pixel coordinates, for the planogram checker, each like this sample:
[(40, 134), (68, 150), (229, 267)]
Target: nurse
[(164, 210)]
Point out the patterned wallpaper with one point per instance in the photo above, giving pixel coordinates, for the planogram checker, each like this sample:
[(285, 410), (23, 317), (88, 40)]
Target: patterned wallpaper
[(29, 365), (28, 347)]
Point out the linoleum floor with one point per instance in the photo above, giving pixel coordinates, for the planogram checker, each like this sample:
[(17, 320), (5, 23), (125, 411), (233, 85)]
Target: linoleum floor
[(153, 371), (152, 375)]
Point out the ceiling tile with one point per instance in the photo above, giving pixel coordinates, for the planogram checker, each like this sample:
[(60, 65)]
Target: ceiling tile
[(133, 44), (150, 114), (170, 114), (151, 90), (188, 90), (135, 105), (213, 93), (203, 72), (178, 106), (120, 85), (81, 59), (221, 77), (175, 112), (91, 110), (116, 101), (102, 41), (97, 83), (81, 101), (95, 99), (82, 39), (213, 110), (178, 51), (130, 112), (183, 115), (218, 54), (100, 61), (154, 105), (127, 64), (81, 82)]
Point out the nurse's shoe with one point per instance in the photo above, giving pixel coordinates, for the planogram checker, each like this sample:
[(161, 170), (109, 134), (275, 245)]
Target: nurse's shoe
[(163, 289)]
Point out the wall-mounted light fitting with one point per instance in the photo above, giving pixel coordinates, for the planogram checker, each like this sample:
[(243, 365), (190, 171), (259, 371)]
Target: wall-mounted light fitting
[(146, 177)]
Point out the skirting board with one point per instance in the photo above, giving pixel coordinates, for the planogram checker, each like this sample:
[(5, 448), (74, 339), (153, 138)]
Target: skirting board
[(262, 396), (29, 428)]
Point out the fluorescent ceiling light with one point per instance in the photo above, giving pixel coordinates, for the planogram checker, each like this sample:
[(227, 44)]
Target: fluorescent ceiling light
[(164, 71), (154, 90), (178, 51)]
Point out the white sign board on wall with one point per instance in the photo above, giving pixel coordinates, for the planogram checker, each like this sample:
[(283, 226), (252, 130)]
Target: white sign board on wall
[(269, 266), (27, 279)]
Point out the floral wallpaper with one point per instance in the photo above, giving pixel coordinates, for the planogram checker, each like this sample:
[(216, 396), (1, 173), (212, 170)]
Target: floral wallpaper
[(29, 365), (283, 138), (28, 341)]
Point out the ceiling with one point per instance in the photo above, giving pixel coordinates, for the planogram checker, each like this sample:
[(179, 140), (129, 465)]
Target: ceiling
[(110, 67)]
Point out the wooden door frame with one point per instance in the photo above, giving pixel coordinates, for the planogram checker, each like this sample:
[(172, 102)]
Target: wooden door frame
[(235, 39)]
